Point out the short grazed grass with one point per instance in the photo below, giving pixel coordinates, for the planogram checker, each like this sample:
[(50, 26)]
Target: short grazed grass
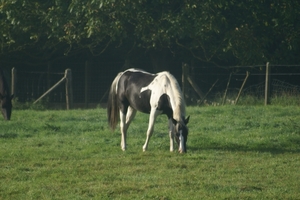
[(234, 152)]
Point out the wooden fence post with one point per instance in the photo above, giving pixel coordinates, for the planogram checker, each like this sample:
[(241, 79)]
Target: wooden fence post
[(241, 89), (195, 87), (86, 84), (51, 89), (267, 84), (48, 74), (13, 81), (185, 74), (225, 93), (69, 89), (203, 98)]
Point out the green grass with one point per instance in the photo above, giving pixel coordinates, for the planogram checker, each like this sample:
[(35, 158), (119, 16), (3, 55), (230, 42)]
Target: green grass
[(234, 152)]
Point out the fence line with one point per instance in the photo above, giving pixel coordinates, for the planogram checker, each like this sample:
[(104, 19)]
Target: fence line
[(69, 92), (91, 82), (205, 77)]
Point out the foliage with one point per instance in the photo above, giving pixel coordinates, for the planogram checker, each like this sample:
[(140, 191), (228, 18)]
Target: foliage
[(242, 152), (41, 105), (217, 31)]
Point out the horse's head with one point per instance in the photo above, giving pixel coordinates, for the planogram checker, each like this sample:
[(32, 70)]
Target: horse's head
[(6, 106), (181, 133)]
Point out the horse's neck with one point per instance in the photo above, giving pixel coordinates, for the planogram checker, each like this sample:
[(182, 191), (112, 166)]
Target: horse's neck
[(166, 83), (176, 99)]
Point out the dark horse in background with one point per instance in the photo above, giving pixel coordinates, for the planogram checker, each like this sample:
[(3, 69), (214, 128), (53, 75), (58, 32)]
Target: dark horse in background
[(154, 94), (5, 97)]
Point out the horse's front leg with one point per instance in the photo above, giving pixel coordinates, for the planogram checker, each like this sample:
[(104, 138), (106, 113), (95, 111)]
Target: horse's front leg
[(171, 135), (153, 114)]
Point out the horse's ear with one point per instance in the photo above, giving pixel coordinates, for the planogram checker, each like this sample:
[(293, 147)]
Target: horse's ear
[(186, 121)]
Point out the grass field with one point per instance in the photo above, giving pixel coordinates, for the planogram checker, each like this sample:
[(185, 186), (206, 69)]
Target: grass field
[(234, 152)]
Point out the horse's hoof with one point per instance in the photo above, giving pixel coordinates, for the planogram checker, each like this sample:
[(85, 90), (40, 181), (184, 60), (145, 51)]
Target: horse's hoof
[(181, 151)]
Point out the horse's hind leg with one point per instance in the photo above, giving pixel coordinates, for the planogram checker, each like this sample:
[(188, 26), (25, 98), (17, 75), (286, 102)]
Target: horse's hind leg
[(130, 115), (123, 130), (125, 121)]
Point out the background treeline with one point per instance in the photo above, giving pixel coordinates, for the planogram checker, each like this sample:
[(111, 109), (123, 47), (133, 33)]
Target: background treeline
[(98, 38), (212, 32)]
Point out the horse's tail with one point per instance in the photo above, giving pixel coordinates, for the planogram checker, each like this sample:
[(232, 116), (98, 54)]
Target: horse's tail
[(112, 104)]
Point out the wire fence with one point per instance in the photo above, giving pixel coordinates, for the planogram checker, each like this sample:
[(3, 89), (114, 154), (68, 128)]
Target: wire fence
[(32, 84), (278, 88), (91, 84), (214, 81)]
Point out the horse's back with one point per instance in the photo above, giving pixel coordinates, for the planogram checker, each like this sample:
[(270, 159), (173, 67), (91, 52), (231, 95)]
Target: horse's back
[(129, 89)]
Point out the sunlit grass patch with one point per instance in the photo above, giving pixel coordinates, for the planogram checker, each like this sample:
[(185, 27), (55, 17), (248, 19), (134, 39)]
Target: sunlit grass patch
[(244, 152)]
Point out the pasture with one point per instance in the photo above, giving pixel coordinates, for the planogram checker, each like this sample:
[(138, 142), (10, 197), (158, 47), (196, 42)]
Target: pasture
[(233, 152)]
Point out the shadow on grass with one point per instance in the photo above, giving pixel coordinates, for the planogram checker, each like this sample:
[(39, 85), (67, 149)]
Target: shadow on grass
[(274, 149), (8, 135)]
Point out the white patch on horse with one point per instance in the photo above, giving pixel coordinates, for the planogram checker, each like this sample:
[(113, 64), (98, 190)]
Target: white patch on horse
[(137, 70), (163, 84), (181, 142)]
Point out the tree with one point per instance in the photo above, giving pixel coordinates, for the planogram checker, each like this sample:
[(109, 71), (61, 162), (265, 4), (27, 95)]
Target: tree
[(216, 32)]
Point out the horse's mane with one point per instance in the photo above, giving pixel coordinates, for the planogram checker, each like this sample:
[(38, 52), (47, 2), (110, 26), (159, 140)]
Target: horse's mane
[(176, 94)]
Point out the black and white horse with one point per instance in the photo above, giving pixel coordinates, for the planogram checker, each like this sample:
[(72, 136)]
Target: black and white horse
[(154, 94), (5, 97)]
